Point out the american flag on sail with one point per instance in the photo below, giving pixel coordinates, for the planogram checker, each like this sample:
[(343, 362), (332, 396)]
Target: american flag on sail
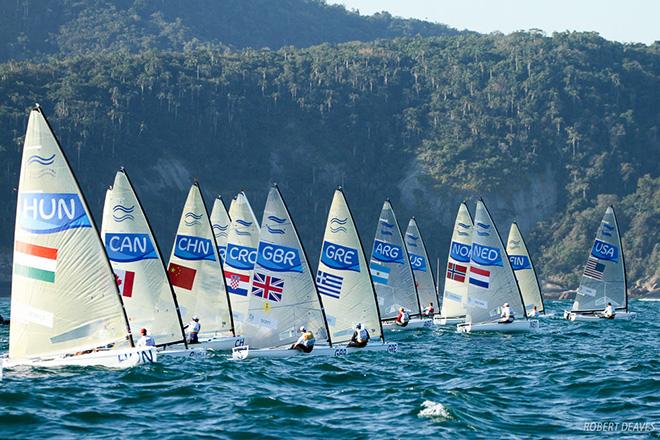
[(594, 269)]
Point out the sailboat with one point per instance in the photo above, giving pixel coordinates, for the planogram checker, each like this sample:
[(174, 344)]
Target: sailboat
[(141, 276), (344, 281), (241, 255), (419, 261), (65, 305), (523, 268), (220, 222), (454, 296), (283, 295), (392, 274), (491, 282), (604, 278), (196, 275)]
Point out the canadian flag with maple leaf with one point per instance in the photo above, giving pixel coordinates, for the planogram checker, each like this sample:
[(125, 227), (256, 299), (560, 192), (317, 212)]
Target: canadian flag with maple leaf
[(125, 279)]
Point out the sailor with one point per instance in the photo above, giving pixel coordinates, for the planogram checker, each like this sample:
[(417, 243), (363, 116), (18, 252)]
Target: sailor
[(194, 327), (145, 340), (403, 317), (305, 342), (428, 311), (609, 311), (360, 337), (506, 316), (534, 313)]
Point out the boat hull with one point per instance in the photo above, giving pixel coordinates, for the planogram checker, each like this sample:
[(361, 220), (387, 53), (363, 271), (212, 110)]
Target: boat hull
[(183, 353), (513, 327), (413, 324), (214, 343), (576, 316), (446, 320), (243, 352), (124, 358)]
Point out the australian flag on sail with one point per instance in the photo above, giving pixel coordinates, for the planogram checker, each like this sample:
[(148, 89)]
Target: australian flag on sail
[(329, 284), (594, 269), (267, 287)]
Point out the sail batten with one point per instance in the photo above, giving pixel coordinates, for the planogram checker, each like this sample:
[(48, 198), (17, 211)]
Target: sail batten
[(283, 295), (136, 260), (390, 268), (195, 270), (64, 296), (343, 277), (604, 276), (454, 296), (419, 261), (491, 281), (523, 268)]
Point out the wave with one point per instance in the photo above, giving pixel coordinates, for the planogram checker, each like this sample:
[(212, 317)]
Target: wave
[(463, 234), (243, 232), (193, 215), (47, 172), (192, 222), (123, 217), (385, 223), (412, 236), (388, 233), (45, 161), (275, 230), (337, 229), (122, 208), (463, 225), (483, 234), (220, 227), (277, 219), (243, 223), (607, 226), (411, 244), (515, 242), (339, 221), (434, 410), (483, 225), (606, 234)]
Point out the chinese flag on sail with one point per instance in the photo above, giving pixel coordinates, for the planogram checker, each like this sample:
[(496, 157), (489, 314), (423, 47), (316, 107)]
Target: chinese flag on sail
[(181, 276)]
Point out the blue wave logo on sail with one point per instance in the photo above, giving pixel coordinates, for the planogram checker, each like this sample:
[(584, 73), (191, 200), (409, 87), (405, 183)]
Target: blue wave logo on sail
[(460, 252), (607, 226), (189, 247), (220, 230), (483, 225), (520, 262), (412, 236), (411, 244), (483, 234), (273, 230), (514, 244), (463, 234), (39, 160), (243, 233), (276, 219), (192, 219), (121, 213), (47, 213), (605, 251), (340, 257), (385, 223), (243, 223), (387, 253), (418, 262), (127, 248), (606, 233), (279, 258), (486, 255), (338, 221), (463, 225), (241, 257), (386, 233), (337, 229)]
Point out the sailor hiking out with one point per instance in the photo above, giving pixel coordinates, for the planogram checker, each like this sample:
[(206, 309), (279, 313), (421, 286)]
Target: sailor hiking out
[(194, 327), (506, 316), (305, 342), (360, 337), (403, 318)]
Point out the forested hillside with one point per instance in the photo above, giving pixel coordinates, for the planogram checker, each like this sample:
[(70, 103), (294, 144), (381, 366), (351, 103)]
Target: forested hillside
[(547, 130), (30, 28)]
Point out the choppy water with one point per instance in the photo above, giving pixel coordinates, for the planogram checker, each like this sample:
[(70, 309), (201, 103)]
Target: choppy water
[(441, 384)]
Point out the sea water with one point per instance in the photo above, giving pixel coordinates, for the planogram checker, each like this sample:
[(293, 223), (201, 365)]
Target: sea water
[(571, 379)]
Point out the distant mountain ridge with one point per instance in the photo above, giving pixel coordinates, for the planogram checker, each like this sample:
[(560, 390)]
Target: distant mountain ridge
[(30, 28)]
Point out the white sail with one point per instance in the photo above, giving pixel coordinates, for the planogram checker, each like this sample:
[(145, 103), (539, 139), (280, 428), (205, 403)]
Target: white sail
[(242, 246), (195, 270), (390, 268), (604, 276), (64, 298), (136, 260), (523, 268), (343, 277), (283, 296), (454, 297), (491, 281), (220, 222), (419, 260)]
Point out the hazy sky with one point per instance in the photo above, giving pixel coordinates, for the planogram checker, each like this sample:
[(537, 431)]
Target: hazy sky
[(620, 20)]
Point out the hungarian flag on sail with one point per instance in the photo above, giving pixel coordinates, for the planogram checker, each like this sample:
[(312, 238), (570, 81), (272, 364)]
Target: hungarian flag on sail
[(125, 280), (479, 277), (181, 276), (36, 262), (237, 283), (456, 272)]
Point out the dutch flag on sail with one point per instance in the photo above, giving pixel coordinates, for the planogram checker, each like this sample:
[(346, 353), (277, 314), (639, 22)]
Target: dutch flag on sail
[(479, 277)]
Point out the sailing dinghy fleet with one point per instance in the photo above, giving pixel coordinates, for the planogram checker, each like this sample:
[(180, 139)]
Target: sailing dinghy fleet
[(231, 283)]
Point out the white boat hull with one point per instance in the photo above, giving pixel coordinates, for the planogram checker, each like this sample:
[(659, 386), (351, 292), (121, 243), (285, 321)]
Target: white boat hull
[(183, 353), (413, 324), (513, 327), (214, 343), (576, 316), (240, 353), (444, 320), (124, 358)]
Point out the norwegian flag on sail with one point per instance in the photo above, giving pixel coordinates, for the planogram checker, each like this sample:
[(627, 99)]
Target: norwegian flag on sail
[(456, 272), (125, 280)]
